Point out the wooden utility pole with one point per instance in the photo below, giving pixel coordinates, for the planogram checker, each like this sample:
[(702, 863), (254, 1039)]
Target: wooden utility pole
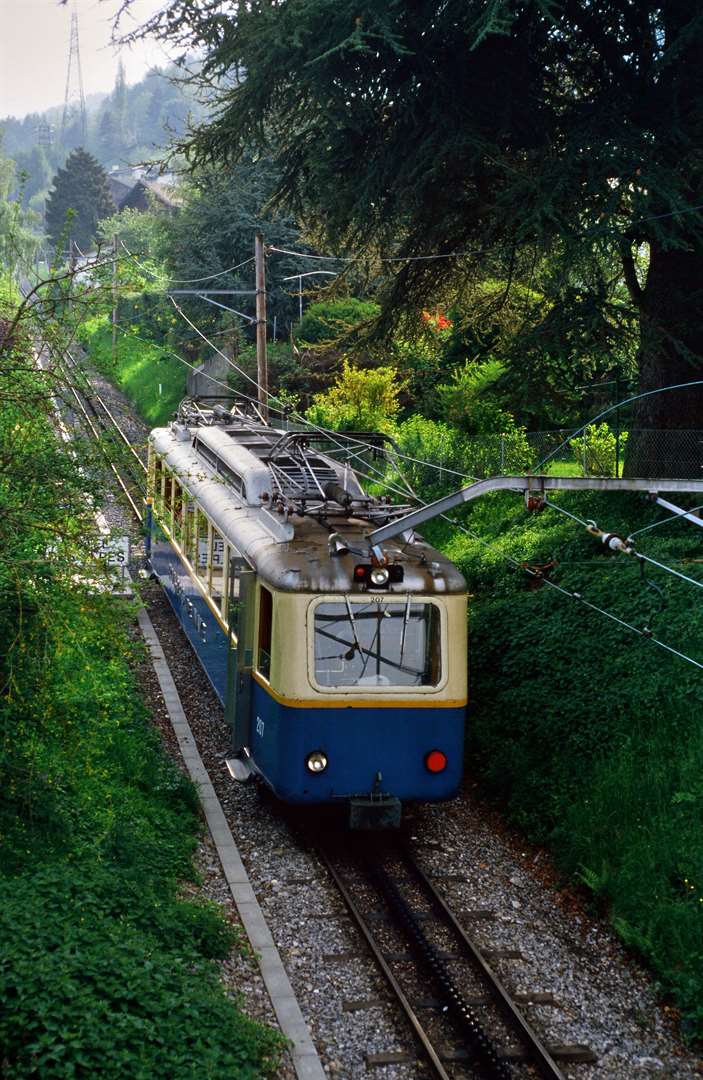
[(262, 376), (114, 299)]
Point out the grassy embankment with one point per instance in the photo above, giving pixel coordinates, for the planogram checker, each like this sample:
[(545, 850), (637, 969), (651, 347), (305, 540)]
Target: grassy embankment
[(588, 733), (151, 377), (104, 969)]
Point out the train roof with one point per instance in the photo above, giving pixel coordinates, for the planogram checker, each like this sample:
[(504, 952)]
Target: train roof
[(285, 506)]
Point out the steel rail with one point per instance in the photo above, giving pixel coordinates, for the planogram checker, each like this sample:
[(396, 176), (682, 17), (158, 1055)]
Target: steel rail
[(542, 1058), (455, 1004), (121, 433), (88, 395), (96, 434), (429, 1050)]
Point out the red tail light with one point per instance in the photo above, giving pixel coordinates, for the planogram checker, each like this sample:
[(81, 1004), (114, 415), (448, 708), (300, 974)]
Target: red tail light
[(435, 761)]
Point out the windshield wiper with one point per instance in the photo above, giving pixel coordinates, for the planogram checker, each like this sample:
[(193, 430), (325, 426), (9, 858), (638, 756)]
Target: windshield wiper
[(357, 644), (406, 619)]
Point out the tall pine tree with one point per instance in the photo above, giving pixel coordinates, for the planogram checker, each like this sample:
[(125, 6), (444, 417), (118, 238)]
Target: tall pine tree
[(80, 186)]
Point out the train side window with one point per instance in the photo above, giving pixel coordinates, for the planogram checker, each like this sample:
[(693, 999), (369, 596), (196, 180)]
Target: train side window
[(226, 571), (190, 539), (265, 624), (188, 524), (216, 583), (203, 548)]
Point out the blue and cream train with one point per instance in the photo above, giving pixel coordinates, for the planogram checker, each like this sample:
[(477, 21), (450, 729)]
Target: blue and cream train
[(342, 670)]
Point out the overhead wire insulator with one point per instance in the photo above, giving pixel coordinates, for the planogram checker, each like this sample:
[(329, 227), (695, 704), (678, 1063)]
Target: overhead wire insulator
[(611, 540)]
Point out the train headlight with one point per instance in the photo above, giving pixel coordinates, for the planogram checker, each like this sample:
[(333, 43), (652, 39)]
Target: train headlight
[(378, 576), (316, 762), (435, 761)]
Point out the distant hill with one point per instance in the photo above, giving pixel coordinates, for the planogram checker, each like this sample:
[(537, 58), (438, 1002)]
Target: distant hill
[(131, 124)]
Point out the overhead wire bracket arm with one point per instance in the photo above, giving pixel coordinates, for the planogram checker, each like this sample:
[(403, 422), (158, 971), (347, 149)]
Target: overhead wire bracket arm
[(528, 484)]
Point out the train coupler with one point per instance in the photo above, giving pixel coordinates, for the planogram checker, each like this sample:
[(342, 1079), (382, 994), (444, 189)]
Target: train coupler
[(374, 812)]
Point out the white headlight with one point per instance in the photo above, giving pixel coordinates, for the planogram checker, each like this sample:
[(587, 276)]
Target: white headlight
[(316, 762), (379, 576)]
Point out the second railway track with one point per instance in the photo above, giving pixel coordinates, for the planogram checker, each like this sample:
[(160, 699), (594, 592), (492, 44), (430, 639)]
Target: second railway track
[(123, 460)]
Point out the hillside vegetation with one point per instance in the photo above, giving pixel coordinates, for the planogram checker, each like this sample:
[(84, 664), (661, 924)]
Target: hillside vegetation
[(104, 969), (150, 375), (589, 734)]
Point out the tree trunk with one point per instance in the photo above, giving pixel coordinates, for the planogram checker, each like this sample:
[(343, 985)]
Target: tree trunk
[(667, 428)]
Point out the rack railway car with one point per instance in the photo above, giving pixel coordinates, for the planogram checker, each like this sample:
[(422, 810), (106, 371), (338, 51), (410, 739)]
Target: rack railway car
[(342, 669)]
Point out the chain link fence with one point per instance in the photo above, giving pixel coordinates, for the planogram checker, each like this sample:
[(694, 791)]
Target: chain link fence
[(602, 451)]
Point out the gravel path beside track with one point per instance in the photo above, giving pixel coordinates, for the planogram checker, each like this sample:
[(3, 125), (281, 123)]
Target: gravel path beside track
[(604, 999)]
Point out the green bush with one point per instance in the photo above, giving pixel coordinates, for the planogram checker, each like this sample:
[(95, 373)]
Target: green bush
[(86, 991), (447, 458), (595, 450), (328, 320), (361, 399), (435, 443)]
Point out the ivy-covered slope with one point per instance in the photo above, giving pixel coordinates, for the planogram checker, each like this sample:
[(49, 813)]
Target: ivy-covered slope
[(590, 733), (104, 970)]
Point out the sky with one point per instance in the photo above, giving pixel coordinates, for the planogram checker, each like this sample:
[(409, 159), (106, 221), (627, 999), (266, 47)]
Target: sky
[(34, 46)]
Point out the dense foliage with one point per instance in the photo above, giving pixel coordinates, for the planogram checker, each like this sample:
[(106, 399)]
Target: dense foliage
[(104, 969), (541, 131)]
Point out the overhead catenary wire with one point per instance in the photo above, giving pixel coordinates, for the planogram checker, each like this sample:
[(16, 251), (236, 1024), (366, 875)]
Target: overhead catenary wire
[(636, 554), (187, 281), (666, 520), (382, 258), (612, 408), (576, 596), (595, 230), (643, 633), (219, 352)]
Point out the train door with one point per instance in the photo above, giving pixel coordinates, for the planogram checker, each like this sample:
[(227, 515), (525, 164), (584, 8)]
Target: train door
[(242, 606)]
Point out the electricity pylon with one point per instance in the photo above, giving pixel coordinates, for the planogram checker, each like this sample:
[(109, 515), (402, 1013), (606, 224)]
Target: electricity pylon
[(74, 93)]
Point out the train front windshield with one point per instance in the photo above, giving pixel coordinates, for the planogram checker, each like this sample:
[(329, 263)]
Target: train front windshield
[(385, 642)]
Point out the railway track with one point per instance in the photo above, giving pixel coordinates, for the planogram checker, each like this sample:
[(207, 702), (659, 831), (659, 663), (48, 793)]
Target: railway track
[(128, 469), (471, 1025), (464, 1022)]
